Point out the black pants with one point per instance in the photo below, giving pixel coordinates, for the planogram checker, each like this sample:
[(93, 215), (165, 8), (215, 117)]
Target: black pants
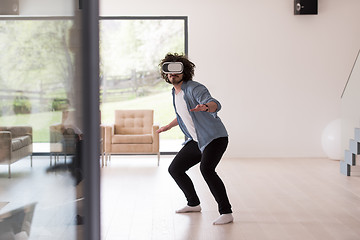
[(189, 156)]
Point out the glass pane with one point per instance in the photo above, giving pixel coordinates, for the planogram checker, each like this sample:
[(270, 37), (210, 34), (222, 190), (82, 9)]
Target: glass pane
[(40, 177), (130, 51)]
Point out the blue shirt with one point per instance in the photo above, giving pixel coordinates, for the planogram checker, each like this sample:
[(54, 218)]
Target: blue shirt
[(208, 125)]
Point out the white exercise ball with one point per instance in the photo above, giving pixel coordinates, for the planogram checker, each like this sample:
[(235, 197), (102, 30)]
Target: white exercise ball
[(331, 139)]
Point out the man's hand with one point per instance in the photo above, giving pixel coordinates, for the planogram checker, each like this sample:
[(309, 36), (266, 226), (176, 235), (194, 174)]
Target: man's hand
[(163, 129), (200, 108)]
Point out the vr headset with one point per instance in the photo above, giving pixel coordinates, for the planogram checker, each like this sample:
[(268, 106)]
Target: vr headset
[(172, 67)]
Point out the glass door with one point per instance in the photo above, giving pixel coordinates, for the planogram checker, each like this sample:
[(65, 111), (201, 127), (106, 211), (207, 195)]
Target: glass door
[(47, 190)]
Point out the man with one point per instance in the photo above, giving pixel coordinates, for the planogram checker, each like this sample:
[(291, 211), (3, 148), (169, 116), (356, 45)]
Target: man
[(207, 138)]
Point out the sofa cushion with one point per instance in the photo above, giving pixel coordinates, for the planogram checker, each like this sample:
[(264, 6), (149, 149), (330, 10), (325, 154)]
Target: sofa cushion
[(25, 140), (20, 142), (16, 144), (125, 139)]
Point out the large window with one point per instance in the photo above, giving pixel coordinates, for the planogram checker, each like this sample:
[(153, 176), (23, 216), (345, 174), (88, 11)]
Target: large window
[(130, 51), (36, 73)]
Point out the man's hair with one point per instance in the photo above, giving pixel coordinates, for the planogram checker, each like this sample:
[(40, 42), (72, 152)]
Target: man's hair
[(188, 66)]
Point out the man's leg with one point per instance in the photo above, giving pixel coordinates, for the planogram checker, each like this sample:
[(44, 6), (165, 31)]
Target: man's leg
[(211, 157), (187, 157)]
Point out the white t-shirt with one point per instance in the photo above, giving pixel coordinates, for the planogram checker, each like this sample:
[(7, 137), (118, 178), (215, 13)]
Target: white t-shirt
[(184, 114)]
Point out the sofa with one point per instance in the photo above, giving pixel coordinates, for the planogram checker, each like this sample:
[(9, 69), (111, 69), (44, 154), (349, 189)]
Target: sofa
[(15, 144), (133, 132)]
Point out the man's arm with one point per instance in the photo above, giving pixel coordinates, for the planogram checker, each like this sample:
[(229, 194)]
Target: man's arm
[(203, 97), (208, 107), (169, 126)]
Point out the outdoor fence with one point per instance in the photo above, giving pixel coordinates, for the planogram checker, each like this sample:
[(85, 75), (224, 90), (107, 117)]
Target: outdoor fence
[(52, 96)]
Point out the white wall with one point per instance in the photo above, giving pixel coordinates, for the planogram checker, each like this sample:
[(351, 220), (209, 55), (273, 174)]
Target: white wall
[(350, 102), (47, 7), (278, 76)]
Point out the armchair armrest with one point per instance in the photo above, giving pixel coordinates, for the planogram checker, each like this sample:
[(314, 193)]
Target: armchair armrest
[(56, 132), (102, 131), (5, 145), (156, 139), (154, 129), (108, 133), (56, 127), (102, 137)]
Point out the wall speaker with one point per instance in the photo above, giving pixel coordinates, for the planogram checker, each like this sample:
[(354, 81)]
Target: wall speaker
[(305, 7), (9, 7)]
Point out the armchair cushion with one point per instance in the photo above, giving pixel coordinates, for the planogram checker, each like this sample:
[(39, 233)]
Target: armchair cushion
[(25, 140), (16, 144), (133, 122), (139, 139)]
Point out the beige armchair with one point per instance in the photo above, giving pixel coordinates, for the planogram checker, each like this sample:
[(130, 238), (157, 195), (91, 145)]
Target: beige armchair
[(133, 132), (15, 144)]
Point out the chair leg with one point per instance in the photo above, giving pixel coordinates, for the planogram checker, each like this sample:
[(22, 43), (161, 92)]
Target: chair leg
[(158, 155), (31, 160), (9, 171), (102, 159), (108, 158)]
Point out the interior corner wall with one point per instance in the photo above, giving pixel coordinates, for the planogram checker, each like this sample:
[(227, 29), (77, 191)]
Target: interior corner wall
[(279, 76)]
